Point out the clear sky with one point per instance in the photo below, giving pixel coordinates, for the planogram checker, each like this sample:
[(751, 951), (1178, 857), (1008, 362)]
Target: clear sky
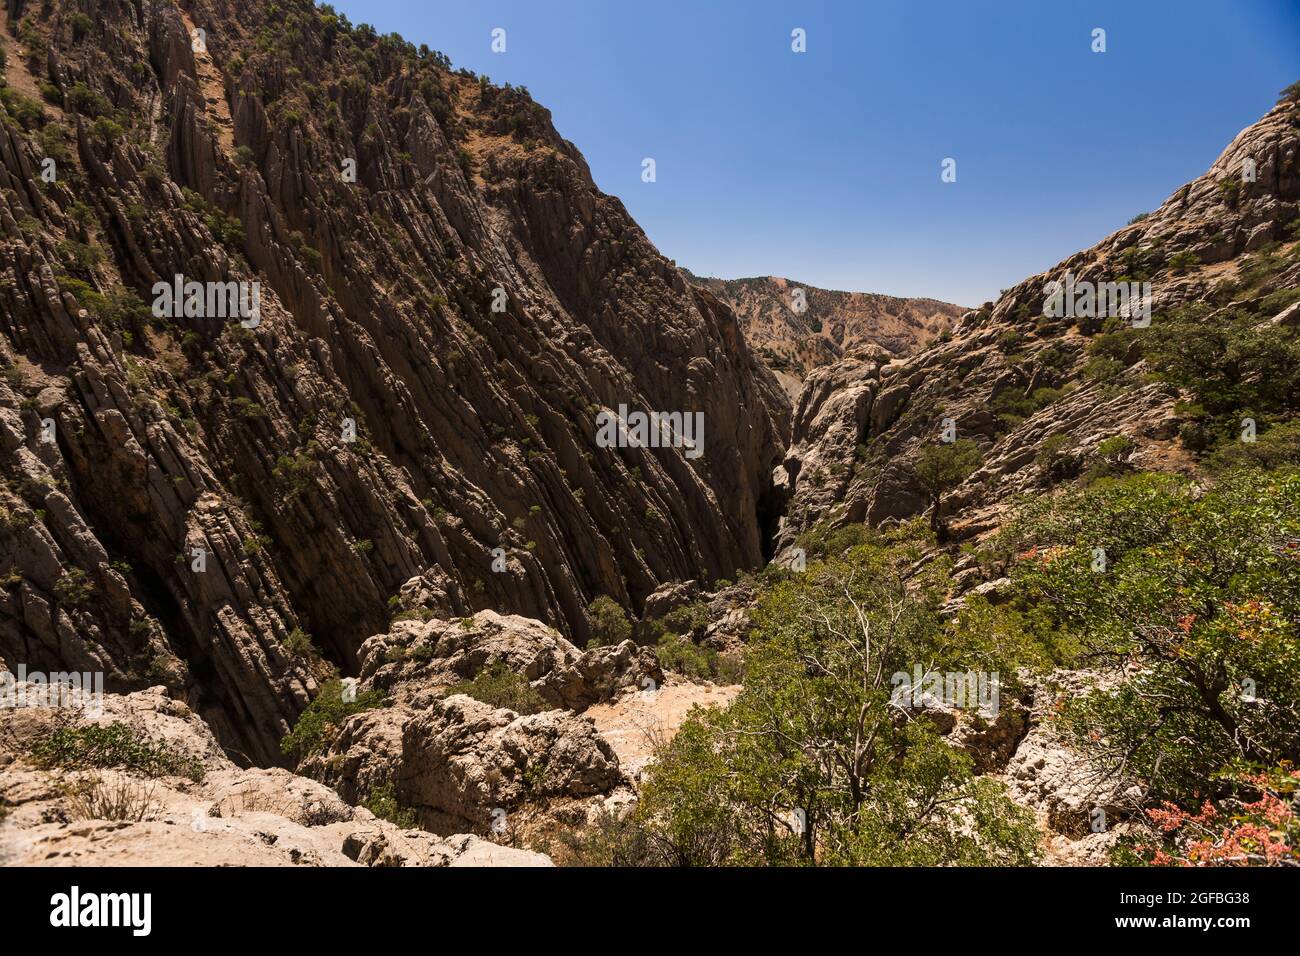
[(825, 166)]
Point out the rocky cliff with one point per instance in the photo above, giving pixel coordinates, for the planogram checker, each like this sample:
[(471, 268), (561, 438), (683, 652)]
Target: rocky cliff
[(1039, 394), (795, 327), (446, 302)]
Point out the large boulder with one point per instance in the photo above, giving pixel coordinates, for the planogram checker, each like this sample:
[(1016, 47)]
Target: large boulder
[(416, 661), (462, 765)]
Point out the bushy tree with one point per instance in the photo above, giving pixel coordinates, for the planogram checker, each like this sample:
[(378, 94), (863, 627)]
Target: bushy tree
[(1277, 447), (1234, 366), (942, 467), (609, 623), (813, 762), (1192, 598)]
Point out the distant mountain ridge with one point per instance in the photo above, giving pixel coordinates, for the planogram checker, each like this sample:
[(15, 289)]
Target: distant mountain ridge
[(832, 324)]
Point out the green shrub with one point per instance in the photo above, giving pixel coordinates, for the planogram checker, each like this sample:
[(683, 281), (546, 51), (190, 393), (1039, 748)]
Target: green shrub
[(27, 113), (681, 654), (1099, 368), (82, 99), (299, 643), (1201, 591), (1235, 366), (689, 619), (1277, 447), (826, 540), (499, 686), (1230, 189), (383, 803), (1181, 262), (248, 409), (611, 839), (107, 130), (296, 474), (74, 587), (81, 25), (414, 614), (115, 745), (322, 717), (1057, 457), (1010, 341), (1116, 449), (609, 623), (1121, 343)]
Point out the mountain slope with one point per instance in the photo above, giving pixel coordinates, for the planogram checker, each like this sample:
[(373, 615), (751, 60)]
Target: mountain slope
[(467, 305), (1038, 395), (796, 327)]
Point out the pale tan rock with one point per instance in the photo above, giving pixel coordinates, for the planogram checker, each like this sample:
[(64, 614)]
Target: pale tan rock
[(231, 817)]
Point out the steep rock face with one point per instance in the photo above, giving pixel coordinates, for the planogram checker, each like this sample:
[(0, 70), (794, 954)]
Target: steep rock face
[(825, 325), (438, 273), (1011, 378)]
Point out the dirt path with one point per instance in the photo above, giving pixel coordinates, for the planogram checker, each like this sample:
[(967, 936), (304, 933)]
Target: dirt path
[(638, 723)]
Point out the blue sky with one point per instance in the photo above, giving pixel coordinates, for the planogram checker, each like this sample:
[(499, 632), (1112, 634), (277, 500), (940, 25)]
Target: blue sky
[(825, 166)]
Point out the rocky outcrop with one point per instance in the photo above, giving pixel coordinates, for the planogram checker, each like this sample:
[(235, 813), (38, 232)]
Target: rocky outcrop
[(446, 303), (796, 328), (1082, 810), (416, 660), (1010, 378), (219, 815), (670, 597), (464, 760), (463, 765)]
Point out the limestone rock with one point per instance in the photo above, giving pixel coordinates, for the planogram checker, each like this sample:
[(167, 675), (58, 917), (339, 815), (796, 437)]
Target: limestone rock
[(76, 816), (463, 765), (860, 424), (416, 660)]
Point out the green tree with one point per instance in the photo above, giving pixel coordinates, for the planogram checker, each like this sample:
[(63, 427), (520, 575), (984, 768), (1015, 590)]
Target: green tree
[(1235, 366), (609, 623), (813, 763), (942, 467), (1191, 598)]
